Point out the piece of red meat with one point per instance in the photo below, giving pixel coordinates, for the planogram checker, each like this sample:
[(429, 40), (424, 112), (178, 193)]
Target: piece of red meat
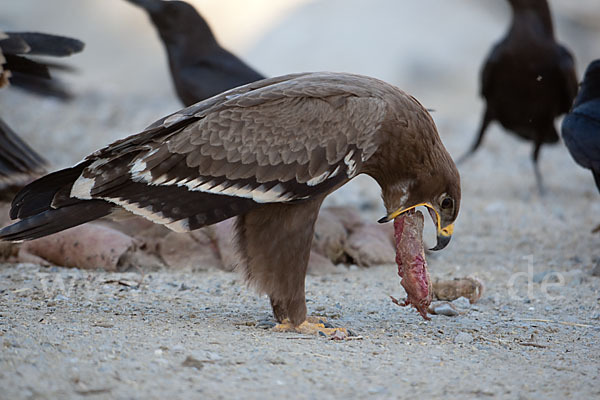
[(412, 266)]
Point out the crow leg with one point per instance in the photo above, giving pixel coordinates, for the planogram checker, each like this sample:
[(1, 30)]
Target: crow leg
[(487, 118), (596, 176), (536, 168)]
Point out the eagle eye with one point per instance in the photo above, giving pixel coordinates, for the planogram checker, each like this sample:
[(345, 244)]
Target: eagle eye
[(447, 203)]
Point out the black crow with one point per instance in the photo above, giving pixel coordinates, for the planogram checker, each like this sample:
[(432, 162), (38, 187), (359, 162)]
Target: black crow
[(32, 74), (528, 79), (581, 126), (19, 163), (200, 67)]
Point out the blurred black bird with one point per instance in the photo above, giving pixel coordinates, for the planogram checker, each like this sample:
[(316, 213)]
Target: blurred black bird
[(528, 80), (33, 74), (200, 67), (581, 126), (19, 163)]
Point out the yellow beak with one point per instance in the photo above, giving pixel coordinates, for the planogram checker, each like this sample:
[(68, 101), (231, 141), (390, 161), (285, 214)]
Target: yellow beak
[(443, 234)]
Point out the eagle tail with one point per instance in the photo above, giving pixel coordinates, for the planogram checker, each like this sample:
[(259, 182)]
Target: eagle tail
[(40, 195), (55, 220), (35, 206)]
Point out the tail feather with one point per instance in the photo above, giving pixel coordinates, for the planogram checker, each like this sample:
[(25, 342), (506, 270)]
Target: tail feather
[(56, 220), (38, 196)]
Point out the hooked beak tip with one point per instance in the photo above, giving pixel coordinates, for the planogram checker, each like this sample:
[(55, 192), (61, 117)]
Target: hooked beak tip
[(442, 242), (383, 219), (443, 237)]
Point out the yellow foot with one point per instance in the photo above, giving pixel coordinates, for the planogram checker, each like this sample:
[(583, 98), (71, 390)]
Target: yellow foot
[(312, 326)]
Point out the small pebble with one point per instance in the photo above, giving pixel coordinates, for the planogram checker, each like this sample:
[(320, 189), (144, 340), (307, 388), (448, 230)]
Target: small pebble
[(462, 303), (178, 349), (183, 287), (377, 390), (444, 308), (596, 269), (339, 335), (192, 363), (210, 356), (463, 338), (265, 324), (276, 361)]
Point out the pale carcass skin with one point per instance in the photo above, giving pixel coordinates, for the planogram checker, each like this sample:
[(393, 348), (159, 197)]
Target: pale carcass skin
[(412, 266)]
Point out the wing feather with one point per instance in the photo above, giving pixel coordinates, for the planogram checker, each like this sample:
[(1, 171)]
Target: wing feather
[(270, 141)]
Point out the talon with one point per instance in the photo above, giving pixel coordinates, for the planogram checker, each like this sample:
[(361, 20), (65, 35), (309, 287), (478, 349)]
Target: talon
[(311, 328)]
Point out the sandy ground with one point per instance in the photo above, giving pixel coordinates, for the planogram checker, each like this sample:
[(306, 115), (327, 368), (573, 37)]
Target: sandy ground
[(152, 334)]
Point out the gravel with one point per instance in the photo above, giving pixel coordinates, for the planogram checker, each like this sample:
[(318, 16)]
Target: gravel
[(155, 341), (463, 338)]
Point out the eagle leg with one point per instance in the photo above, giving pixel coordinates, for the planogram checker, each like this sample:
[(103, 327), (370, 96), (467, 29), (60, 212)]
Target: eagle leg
[(274, 242)]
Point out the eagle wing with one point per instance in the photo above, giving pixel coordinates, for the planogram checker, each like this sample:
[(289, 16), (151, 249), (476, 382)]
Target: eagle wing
[(277, 140)]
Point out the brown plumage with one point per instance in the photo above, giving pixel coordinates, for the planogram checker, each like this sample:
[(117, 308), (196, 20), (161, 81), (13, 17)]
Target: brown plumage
[(270, 152), (528, 79)]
